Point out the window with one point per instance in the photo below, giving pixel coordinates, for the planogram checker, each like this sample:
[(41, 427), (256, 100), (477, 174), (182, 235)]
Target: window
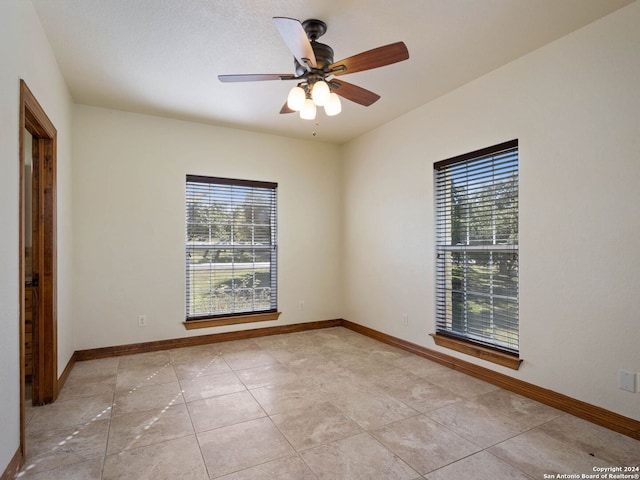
[(231, 250), (476, 197)]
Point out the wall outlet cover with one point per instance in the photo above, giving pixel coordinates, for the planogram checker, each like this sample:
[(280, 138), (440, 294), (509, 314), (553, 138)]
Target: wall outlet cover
[(627, 381)]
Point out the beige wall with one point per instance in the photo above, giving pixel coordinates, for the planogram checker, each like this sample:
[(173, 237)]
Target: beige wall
[(129, 221), (574, 107), (25, 53)]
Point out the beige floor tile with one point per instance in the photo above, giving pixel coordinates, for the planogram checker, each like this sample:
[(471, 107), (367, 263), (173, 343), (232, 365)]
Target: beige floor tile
[(355, 339), (481, 466), (273, 341), (55, 448), (93, 368), (286, 356), (459, 383), (342, 381), (139, 429), (248, 359), (199, 352), (333, 333), (334, 348), (526, 412), (216, 412), (211, 386), (292, 341), (370, 370), (424, 444), (288, 468), (86, 470), (322, 336), (568, 445), (308, 427), (145, 361), (355, 360), (312, 366), (603, 443), (304, 341), (537, 453), (201, 366), (369, 407), (420, 366), (288, 396), (358, 457), (386, 353), (395, 376), (79, 386), (237, 346), (147, 397), (78, 411), (170, 460), (477, 423), (418, 393), (237, 447), (141, 376), (273, 374), (360, 341)]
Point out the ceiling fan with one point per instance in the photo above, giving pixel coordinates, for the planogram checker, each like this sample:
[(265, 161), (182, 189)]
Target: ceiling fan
[(315, 69)]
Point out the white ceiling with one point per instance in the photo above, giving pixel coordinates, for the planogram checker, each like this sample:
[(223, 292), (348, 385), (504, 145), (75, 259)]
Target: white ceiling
[(162, 57)]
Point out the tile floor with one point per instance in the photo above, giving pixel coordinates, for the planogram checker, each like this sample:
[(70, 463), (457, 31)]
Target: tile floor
[(323, 404)]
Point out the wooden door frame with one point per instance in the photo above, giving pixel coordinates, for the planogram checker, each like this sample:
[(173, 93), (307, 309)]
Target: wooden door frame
[(45, 329)]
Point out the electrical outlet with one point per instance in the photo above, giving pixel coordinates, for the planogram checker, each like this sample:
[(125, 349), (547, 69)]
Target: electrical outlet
[(301, 305), (405, 319), (142, 320), (627, 381)]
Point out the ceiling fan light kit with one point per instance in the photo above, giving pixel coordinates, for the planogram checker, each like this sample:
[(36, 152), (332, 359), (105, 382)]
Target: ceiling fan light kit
[(315, 69), (299, 100)]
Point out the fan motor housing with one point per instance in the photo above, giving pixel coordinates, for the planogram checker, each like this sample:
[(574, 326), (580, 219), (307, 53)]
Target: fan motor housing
[(324, 58)]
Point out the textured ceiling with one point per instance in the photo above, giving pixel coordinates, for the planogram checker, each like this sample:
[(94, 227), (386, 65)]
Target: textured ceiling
[(163, 56)]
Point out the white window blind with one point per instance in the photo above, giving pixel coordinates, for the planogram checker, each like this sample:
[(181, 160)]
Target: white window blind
[(231, 249), (477, 247)]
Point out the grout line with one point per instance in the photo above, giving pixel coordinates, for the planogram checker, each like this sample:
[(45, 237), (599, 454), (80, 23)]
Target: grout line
[(106, 443)]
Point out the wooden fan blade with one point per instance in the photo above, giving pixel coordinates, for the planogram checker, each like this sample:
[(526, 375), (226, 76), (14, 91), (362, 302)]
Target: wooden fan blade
[(255, 77), (285, 109), (353, 92), (378, 57), (296, 39)]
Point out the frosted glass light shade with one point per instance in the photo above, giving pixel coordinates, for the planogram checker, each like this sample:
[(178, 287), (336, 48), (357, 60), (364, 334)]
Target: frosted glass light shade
[(333, 106), (308, 112), (320, 93), (296, 98)]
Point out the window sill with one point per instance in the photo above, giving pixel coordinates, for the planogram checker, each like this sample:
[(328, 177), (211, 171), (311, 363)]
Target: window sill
[(504, 359), (217, 322)]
